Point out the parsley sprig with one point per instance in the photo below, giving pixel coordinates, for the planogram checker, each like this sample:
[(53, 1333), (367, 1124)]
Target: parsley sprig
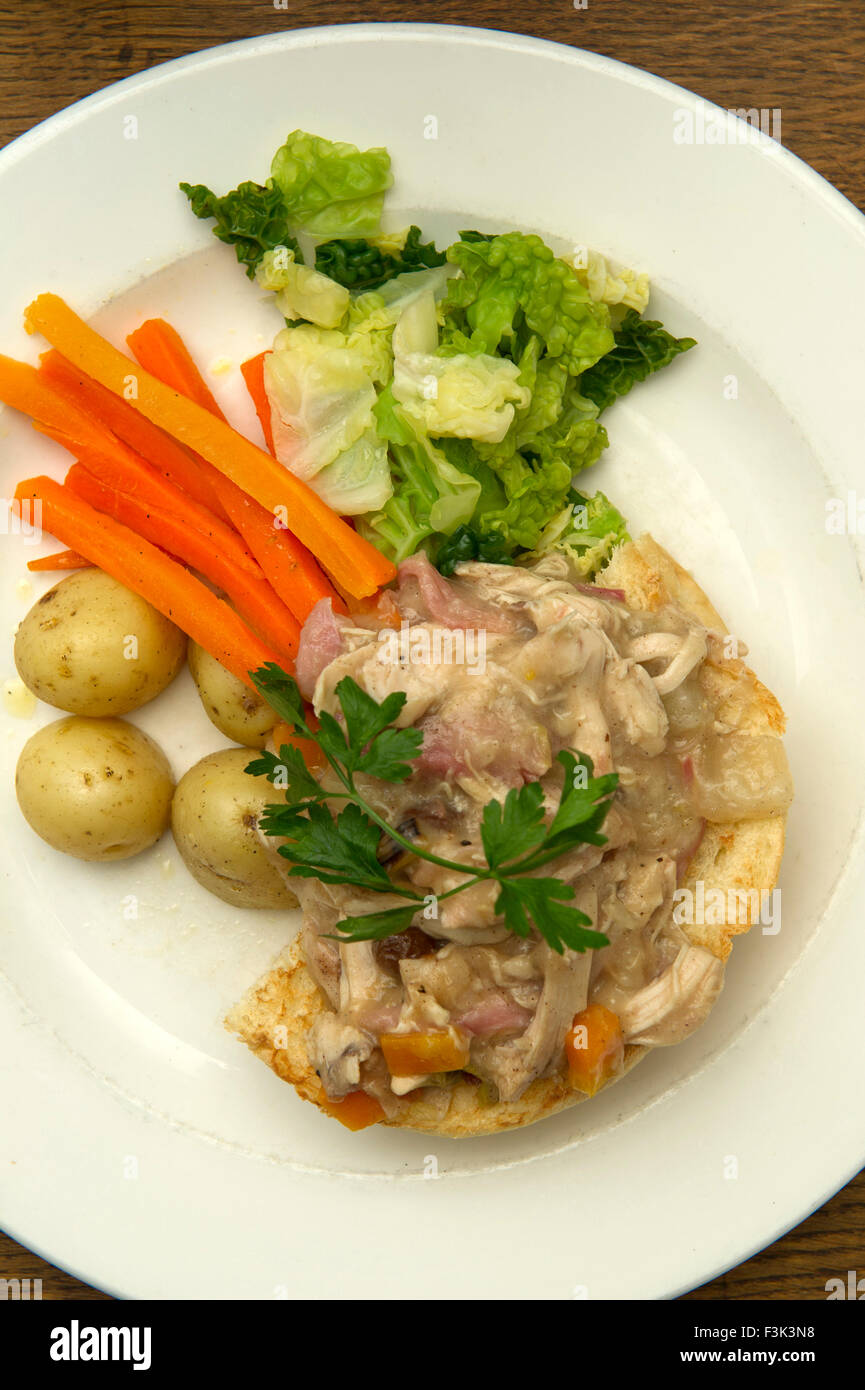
[(343, 847)]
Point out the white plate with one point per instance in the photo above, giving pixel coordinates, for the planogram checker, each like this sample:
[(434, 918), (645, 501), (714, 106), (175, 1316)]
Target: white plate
[(146, 1150)]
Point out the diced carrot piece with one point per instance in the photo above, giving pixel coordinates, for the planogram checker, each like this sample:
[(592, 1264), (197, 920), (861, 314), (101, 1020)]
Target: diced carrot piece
[(357, 1111), (594, 1048), (380, 606), (311, 753), (421, 1054)]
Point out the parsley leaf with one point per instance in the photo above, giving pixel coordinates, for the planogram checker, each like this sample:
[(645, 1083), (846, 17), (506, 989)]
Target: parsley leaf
[(344, 849), (283, 695), (371, 745), (364, 716), (334, 849), (332, 740), (543, 901), (509, 830), (389, 756), (584, 802), (375, 926), (289, 773)]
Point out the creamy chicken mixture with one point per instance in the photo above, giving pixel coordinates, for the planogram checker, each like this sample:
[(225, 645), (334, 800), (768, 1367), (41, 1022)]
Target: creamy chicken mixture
[(553, 664)]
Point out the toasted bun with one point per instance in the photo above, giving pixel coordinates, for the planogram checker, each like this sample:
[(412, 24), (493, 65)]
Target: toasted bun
[(275, 1016)]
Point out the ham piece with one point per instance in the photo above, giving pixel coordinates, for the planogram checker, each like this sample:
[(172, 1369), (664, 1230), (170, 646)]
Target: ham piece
[(444, 601), (320, 644)]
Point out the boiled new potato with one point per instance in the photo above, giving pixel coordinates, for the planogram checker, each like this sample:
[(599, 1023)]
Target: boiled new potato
[(237, 711), (214, 818), (95, 788), (92, 646)]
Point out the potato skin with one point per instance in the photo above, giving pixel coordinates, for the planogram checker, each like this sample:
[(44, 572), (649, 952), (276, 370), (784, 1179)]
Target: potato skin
[(98, 789), (213, 818), (70, 649), (237, 711)]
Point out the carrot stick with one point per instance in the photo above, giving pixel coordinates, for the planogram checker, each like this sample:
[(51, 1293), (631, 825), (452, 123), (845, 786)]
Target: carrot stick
[(119, 468), (288, 565), (61, 560), (290, 568), (142, 567), (251, 595), (153, 444), (22, 387), (253, 375), (63, 420), (161, 349), (352, 561)]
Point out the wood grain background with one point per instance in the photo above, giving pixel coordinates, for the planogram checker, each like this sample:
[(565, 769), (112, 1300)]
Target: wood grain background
[(805, 56)]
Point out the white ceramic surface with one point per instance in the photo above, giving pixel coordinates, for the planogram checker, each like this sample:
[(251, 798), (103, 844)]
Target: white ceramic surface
[(141, 1146)]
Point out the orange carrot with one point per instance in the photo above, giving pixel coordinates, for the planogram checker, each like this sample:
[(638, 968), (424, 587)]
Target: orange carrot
[(594, 1048), (312, 755), (253, 375), (356, 1111), (119, 468), (382, 608), (153, 444), (251, 595), (161, 349), (63, 420), (133, 561), (61, 560), (288, 565), (420, 1054), (350, 559), (23, 387), (291, 569)]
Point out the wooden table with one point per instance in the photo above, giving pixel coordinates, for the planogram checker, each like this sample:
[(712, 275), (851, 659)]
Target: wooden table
[(804, 56)]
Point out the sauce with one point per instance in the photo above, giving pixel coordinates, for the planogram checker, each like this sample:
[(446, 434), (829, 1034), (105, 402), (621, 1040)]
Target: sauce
[(565, 667)]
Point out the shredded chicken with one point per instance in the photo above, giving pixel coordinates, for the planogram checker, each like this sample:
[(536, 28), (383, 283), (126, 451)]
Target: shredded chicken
[(551, 664), (669, 1008), (514, 1064), (683, 652)]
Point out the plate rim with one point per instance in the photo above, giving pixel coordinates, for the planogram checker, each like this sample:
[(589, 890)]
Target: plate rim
[(44, 130), (814, 183)]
